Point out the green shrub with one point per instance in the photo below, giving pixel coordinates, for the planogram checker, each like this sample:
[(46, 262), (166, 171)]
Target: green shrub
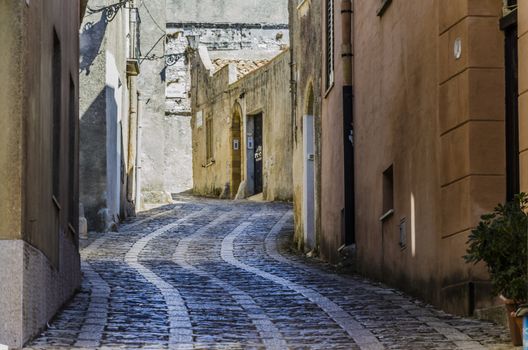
[(501, 240)]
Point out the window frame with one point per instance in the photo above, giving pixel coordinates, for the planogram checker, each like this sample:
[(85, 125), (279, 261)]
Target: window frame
[(329, 45)]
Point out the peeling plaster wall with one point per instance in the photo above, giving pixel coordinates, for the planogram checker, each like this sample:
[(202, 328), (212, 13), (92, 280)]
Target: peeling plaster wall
[(265, 90), (230, 29), (228, 11)]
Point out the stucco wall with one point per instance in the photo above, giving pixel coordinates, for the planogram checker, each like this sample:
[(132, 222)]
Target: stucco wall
[(266, 91), (228, 11), (154, 140), (39, 265), (12, 62), (439, 121), (104, 117), (523, 93), (332, 150)]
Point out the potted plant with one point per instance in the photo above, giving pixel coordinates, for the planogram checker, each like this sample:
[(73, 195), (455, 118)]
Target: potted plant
[(500, 241)]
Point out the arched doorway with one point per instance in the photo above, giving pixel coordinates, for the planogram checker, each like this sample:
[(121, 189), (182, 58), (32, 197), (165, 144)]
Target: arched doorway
[(309, 171), (236, 150)]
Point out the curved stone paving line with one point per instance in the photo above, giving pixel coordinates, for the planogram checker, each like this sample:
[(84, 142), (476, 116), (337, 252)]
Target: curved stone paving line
[(92, 323), (460, 339), (364, 338), (302, 323), (180, 324), (209, 274), (218, 320), (409, 325), (269, 333)]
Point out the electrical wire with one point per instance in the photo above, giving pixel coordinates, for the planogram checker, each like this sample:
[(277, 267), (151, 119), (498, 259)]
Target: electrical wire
[(151, 58), (152, 17)]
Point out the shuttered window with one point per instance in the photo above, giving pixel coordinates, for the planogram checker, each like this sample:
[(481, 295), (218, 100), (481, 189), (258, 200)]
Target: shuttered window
[(330, 41), (56, 66)]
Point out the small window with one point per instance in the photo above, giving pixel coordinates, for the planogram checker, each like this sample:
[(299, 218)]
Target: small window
[(403, 233), (388, 190), (56, 91), (209, 138), (330, 40)]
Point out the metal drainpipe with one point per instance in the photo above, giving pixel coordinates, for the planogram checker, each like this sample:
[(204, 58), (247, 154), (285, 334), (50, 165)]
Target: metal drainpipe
[(348, 119), (293, 83), (346, 41)]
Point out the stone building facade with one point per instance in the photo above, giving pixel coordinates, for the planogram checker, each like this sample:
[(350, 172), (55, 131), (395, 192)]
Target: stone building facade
[(154, 137), (306, 67), (229, 29), (422, 105), (39, 259), (242, 127), (109, 47)]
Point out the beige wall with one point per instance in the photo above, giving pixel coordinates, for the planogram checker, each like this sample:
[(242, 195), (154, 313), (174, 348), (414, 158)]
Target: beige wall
[(265, 91), (332, 148), (12, 21), (523, 93), (39, 259), (439, 121)]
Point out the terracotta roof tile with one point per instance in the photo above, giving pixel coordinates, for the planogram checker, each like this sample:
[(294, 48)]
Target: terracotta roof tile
[(244, 67)]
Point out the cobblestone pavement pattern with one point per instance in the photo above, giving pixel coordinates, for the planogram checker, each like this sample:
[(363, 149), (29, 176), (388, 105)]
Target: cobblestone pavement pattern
[(208, 274)]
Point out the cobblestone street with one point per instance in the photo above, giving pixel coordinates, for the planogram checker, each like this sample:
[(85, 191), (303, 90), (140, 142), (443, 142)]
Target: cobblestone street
[(209, 274)]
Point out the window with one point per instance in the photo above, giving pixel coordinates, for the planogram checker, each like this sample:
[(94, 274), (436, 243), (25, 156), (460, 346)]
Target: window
[(388, 190), (72, 161), (209, 138), (330, 40), (57, 117), (403, 233)]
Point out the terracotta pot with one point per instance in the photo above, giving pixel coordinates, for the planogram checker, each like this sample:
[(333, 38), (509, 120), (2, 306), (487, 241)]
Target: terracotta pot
[(515, 323)]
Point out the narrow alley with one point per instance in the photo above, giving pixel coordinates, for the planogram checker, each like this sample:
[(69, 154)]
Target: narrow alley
[(264, 174), (208, 274)]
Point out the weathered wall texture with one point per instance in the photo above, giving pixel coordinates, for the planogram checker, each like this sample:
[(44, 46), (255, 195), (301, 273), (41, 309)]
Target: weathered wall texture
[(306, 49), (107, 92), (39, 260), (230, 29), (220, 96), (438, 120), (228, 11), (155, 137), (334, 213)]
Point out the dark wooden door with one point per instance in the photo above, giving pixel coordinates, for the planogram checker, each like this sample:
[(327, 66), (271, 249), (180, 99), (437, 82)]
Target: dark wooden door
[(236, 155), (258, 152)]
